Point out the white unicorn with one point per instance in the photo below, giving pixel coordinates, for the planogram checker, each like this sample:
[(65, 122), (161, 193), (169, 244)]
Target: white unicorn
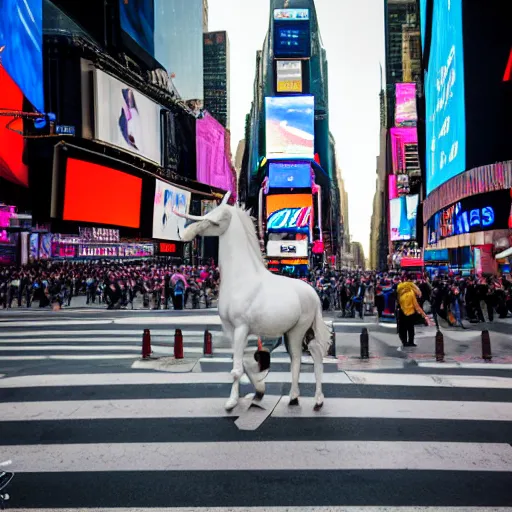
[(253, 301)]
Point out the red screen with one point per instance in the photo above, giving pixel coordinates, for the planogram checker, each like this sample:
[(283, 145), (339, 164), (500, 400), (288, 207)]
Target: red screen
[(98, 194), (11, 143)]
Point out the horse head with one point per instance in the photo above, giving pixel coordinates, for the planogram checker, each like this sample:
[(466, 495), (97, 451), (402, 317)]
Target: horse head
[(214, 223)]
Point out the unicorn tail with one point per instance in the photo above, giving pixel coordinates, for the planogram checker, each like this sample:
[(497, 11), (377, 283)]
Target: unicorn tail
[(322, 332)]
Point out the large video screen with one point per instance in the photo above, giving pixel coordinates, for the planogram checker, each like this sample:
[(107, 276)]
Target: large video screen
[(21, 47), (289, 76), (165, 222), (101, 195), (444, 91), (289, 213), (292, 35), (289, 175), (11, 143), (405, 111), (290, 127), (403, 212), (404, 141), (126, 118), (138, 21)]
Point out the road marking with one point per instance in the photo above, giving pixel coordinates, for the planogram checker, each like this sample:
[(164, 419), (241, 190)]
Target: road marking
[(30, 333), (473, 366), (257, 412), (280, 509), (261, 456)]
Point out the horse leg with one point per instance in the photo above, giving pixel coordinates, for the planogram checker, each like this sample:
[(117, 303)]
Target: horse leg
[(259, 386), (239, 343), (318, 359), (295, 350)]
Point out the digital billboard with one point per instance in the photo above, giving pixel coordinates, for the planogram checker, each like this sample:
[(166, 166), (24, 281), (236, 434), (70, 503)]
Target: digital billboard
[(403, 212), (444, 92), (12, 144), (292, 35), (290, 127), (289, 175), (289, 75), (138, 21), (405, 110), (473, 214), (165, 222), (101, 195), (21, 47), (289, 213), (287, 249), (126, 118), (403, 142)]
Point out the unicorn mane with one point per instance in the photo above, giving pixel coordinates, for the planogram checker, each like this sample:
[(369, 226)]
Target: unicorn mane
[(250, 231)]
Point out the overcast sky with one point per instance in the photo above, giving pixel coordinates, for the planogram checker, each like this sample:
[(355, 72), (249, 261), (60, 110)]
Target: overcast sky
[(353, 36)]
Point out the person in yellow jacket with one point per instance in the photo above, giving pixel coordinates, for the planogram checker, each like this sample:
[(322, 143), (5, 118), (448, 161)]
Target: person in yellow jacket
[(407, 294)]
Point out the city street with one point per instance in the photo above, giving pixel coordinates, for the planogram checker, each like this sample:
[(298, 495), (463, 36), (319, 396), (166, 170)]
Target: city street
[(86, 424)]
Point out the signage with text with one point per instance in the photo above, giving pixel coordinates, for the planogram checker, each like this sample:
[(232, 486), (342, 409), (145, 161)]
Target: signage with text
[(293, 249)]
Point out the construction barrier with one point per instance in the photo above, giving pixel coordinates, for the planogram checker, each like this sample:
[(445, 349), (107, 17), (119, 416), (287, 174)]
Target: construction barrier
[(178, 344), (146, 344)]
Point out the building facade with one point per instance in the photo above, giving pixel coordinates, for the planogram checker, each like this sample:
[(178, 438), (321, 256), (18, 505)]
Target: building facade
[(216, 75)]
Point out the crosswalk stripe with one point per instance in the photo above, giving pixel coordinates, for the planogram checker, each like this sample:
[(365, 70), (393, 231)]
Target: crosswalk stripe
[(281, 509), (214, 408), (261, 456)]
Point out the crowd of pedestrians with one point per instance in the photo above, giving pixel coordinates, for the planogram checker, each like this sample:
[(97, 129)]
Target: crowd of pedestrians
[(114, 285)]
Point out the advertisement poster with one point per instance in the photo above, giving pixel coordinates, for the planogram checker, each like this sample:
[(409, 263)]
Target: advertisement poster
[(403, 217), (21, 35), (138, 21), (34, 246), (445, 96), (290, 127), (401, 140), (289, 75), (126, 118), (405, 112), (168, 198), (290, 213), (289, 175)]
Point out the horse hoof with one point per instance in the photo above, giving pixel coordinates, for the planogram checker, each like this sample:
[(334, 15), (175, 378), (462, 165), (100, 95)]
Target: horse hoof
[(318, 406), (294, 401), (230, 404)]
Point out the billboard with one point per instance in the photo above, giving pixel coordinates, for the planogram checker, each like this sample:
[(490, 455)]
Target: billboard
[(289, 175), (287, 249), (126, 118), (12, 144), (289, 213), (444, 91), (404, 150), (405, 110), (473, 214), (292, 33), (168, 198), (290, 127), (213, 164), (289, 75), (21, 47), (403, 217), (138, 21), (101, 195)]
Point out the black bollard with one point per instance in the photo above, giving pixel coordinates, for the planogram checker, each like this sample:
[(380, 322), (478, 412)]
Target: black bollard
[(439, 347), (332, 347), (365, 348), (486, 346)]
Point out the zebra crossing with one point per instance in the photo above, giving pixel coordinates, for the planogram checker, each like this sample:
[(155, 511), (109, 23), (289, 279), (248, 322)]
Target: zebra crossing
[(99, 434)]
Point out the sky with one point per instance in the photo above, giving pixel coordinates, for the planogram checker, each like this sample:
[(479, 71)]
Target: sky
[(353, 36)]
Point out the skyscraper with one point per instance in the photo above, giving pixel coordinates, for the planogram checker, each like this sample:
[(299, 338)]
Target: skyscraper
[(216, 75)]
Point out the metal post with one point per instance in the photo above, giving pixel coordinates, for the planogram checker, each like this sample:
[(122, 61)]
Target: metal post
[(365, 348), (486, 346), (207, 345), (439, 347), (146, 344), (178, 344)]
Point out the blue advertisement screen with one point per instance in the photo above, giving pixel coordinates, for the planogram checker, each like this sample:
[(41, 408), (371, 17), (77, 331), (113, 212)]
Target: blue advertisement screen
[(403, 212), (138, 21), (289, 175), (292, 38), (21, 46), (423, 21), (444, 90), (290, 127)]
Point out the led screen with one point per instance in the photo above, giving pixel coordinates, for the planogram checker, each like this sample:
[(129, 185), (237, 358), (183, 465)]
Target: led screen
[(482, 212), (404, 141), (289, 175), (290, 127), (34, 246), (165, 222), (290, 213), (101, 195), (138, 21), (292, 37), (126, 118), (444, 91), (11, 143), (403, 217), (405, 111), (289, 75), (21, 46)]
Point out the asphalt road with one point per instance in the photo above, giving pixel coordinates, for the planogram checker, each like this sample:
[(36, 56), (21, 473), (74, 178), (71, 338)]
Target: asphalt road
[(88, 425)]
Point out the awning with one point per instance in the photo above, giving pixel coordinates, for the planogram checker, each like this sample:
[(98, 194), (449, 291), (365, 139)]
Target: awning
[(504, 254)]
